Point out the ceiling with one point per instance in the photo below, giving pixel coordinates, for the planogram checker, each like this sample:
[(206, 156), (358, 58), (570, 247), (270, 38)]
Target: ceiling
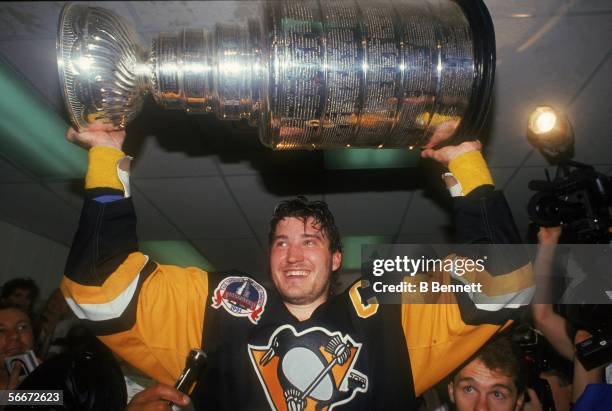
[(212, 185)]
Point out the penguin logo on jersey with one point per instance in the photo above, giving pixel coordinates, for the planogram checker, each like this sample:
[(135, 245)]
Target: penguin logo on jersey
[(241, 297), (308, 371)]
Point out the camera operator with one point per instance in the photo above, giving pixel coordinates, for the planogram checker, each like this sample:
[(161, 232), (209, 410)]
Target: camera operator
[(554, 326), (551, 324)]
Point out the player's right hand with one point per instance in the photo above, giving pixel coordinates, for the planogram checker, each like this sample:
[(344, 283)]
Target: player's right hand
[(97, 134)]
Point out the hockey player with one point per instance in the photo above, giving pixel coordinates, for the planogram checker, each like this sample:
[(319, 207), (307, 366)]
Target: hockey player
[(295, 347)]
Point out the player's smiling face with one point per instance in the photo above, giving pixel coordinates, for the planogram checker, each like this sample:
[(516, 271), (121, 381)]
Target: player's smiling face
[(301, 262)]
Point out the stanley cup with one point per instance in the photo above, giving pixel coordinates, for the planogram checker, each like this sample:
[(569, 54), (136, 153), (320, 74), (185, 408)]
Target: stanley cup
[(309, 74)]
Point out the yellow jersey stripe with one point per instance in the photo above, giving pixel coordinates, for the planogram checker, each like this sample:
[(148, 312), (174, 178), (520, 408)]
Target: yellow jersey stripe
[(114, 285), (170, 317)]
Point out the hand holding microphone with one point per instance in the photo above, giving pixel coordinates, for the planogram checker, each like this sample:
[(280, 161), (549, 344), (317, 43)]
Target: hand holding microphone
[(151, 398), (196, 361)]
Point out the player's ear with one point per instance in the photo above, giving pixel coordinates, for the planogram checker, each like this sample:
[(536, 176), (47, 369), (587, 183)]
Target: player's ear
[(336, 260)]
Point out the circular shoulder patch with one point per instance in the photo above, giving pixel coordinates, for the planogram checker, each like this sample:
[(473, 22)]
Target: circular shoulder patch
[(241, 297)]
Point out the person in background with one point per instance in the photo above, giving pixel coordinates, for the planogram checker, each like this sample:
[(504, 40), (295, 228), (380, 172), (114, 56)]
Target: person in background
[(86, 373), (493, 381), (53, 324), (16, 337), (554, 326), (22, 292)]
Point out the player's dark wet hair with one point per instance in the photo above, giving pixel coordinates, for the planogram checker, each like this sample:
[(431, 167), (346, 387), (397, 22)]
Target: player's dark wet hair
[(303, 209)]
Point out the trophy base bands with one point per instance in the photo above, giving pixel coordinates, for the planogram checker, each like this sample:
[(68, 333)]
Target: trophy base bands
[(31, 397)]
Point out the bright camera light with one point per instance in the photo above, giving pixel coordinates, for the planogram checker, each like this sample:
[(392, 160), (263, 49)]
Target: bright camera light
[(550, 132), (545, 122), (542, 120)]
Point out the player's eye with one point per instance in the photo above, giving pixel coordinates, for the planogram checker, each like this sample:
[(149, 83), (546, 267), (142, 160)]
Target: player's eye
[(499, 395), (468, 389)]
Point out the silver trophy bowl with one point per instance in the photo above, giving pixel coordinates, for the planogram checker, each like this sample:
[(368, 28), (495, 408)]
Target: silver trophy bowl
[(309, 74)]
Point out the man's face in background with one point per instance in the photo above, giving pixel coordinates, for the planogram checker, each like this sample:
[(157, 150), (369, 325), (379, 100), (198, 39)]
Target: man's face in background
[(478, 388), (15, 333), (301, 262)]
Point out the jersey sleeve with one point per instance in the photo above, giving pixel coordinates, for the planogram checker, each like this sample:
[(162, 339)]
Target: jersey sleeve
[(448, 333), (149, 314)]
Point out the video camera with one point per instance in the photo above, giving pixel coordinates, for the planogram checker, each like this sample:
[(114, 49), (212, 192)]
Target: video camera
[(579, 198), (597, 320), (538, 356)]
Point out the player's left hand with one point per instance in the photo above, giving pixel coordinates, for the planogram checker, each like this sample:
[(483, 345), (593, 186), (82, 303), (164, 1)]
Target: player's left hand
[(446, 154)]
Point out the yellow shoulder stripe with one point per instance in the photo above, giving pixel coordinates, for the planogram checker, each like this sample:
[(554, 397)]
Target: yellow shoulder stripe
[(111, 288), (169, 322)]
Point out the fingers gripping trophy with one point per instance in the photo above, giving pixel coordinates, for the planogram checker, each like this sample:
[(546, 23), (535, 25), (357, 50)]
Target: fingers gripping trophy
[(308, 74)]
